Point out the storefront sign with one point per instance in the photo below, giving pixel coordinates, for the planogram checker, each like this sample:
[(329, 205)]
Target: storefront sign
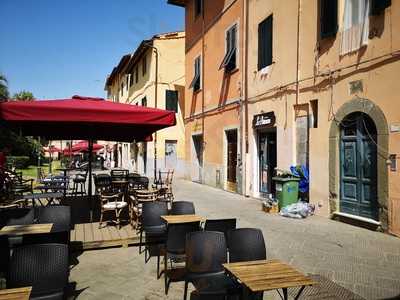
[(264, 120)]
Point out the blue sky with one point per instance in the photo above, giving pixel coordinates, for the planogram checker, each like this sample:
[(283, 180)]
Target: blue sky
[(58, 48)]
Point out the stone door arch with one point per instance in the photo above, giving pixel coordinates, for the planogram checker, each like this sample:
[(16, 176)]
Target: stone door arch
[(375, 113)]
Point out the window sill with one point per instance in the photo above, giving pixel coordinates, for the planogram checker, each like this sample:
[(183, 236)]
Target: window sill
[(231, 72), (195, 92)]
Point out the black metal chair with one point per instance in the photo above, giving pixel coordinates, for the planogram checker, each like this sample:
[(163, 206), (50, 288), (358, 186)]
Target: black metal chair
[(102, 182), (8, 217), (42, 266), (246, 244), (60, 216), (220, 225), (133, 175), (79, 184), (143, 182), (205, 253), (182, 208), (155, 230), (175, 251), (17, 216), (119, 175), (137, 182)]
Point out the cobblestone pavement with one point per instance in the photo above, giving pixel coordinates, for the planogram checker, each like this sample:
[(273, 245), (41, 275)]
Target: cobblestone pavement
[(366, 262)]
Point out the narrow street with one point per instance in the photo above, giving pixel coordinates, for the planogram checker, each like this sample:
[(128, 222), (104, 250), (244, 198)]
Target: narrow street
[(366, 262)]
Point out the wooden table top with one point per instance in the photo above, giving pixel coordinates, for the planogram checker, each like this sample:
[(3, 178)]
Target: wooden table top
[(16, 294), (17, 230), (265, 275), (176, 219)]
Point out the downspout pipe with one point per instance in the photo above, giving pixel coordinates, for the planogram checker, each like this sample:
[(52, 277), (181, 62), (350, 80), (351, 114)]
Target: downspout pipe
[(203, 88), (246, 95), (155, 106), (298, 52), (90, 142)]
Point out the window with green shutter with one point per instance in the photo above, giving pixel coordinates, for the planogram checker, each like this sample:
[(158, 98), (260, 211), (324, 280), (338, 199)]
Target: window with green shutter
[(265, 43), (171, 100), (195, 84), (328, 18), (229, 61)]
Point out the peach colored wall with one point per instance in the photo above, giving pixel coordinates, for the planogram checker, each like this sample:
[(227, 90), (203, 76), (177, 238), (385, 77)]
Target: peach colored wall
[(377, 65), (221, 93)]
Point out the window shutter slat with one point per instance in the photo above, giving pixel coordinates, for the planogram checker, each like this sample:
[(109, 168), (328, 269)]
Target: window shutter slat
[(378, 6), (268, 44), (260, 45), (328, 18)]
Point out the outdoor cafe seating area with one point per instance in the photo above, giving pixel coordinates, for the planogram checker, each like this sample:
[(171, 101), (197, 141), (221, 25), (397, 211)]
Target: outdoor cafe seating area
[(212, 255)]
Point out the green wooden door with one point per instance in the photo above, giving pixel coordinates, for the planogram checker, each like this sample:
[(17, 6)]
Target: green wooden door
[(358, 170)]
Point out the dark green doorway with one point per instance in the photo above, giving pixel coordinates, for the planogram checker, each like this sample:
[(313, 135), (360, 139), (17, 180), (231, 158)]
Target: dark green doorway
[(358, 166)]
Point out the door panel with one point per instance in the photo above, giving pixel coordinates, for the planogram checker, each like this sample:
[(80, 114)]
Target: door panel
[(171, 157), (232, 155), (263, 160), (358, 167)]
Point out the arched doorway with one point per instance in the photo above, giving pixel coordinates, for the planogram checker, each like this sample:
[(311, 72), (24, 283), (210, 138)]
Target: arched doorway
[(373, 111), (358, 166)]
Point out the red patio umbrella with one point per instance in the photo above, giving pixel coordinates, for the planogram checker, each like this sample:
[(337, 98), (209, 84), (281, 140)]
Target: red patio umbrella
[(83, 146), (52, 149), (84, 118)]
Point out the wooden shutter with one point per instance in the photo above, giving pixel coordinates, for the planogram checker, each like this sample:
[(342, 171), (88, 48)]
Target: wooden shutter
[(171, 100), (265, 40), (328, 10), (378, 6)]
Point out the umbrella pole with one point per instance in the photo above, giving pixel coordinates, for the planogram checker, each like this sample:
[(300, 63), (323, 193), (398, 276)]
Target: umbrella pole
[(90, 142)]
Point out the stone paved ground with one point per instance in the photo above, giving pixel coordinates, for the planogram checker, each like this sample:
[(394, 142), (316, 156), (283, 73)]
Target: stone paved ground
[(366, 262)]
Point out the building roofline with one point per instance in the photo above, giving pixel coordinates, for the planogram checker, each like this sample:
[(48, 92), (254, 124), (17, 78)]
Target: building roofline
[(181, 3), (129, 60)]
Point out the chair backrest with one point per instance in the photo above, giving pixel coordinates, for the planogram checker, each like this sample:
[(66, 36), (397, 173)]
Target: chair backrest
[(102, 182), (176, 236), (138, 182), (182, 208), (146, 195), (110, 196), (143, 182), (205, 252), (119, 174), (170, 176), (133, 175), (152, 212), (220, 225), (42, 266), (246, 244), (59, 215), (17, 216)]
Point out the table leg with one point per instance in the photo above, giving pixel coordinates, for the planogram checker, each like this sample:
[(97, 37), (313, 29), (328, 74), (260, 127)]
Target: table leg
[(285, 294), (299, 293), (247, 294)]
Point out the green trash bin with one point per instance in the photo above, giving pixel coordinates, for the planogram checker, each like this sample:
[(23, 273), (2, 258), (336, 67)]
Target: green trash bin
[(287, 190)]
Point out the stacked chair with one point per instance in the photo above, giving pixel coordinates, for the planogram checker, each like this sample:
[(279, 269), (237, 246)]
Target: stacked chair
[(111, 201)]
